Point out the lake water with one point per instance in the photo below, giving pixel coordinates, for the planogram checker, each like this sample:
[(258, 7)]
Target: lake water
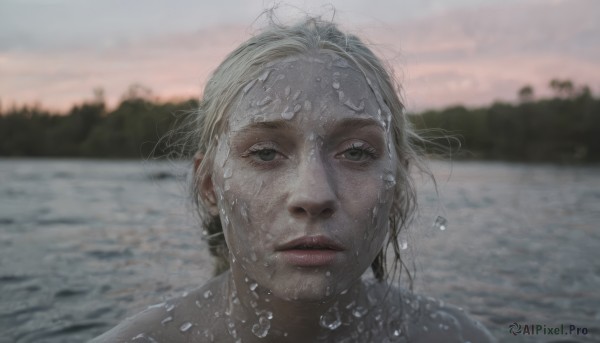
[(85, 243)]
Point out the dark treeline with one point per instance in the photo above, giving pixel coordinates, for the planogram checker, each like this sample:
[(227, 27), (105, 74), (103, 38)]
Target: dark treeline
[(564, 128)]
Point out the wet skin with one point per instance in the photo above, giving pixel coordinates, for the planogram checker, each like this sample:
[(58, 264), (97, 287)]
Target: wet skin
[(304, 166), (303, 182)]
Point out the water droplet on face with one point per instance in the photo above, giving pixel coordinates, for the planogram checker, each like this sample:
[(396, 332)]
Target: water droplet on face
[(335, 85), (248, 86), (331, 319), (263, 77), (166, 320), (287, 91), (389, 180), (397, 332), (207, 294), (307, 105), (287, 113), (297, 108), (227, 173), (403, 245), (169, 307), (253, 286), (185, 326), (356, 108), (261, 329), (265, 101), (440, 223), (296, 95)]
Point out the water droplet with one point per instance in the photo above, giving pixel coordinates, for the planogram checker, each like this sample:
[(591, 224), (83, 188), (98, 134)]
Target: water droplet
[(199, 304), (207, 294), (296, 95), (263, 77), (166, 320), (335, 85), (397, 332), (253, 286), (328, 273), (355, 108), (287, 114), (307, 105), (297, 108), (248, 86), (287, 91), (156, 305), (440, 223), (359, 311), (360, 327), (265, 101), (403, 245), (227, 173), (390, 180), (261, 329), (331, 319), (169, 307), (231, 328), (185, 326), (340, 95)]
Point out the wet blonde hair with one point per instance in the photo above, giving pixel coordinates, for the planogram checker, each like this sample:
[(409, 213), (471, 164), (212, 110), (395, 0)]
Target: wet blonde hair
[(245, 64)]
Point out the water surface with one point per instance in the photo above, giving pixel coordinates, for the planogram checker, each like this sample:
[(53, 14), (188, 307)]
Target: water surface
[(85, 243)]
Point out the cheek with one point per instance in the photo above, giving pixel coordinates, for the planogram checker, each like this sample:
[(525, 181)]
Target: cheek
[(244, 215)]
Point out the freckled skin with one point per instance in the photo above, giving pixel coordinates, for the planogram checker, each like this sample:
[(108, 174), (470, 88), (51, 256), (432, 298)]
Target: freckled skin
[(325, 170)]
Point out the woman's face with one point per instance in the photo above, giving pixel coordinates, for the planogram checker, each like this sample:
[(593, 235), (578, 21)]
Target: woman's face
[(304, 177)]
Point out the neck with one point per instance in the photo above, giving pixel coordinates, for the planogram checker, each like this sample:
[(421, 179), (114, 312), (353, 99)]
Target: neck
[(256, 314)]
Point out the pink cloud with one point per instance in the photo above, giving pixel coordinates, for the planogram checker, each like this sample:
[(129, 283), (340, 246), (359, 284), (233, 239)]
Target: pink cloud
[(472, 56)]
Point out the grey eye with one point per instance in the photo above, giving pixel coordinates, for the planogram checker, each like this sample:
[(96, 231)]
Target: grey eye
[(354, 154), (266, 154)]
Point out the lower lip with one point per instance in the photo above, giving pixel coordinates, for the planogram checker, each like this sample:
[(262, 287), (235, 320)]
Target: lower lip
[(309, 258)]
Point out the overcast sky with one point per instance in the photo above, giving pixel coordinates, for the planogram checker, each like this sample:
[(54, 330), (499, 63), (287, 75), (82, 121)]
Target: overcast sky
[(444, 51)]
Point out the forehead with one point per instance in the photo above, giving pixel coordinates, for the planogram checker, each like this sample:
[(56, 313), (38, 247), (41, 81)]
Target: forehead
[(318, 87)]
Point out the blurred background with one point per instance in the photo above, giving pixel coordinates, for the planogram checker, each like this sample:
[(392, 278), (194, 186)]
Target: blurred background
[(94, 227)]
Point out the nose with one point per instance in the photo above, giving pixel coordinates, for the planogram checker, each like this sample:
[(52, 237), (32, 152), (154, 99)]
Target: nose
[(313, 194)]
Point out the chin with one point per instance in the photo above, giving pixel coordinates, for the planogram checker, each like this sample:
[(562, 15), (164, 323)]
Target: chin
[(306, 287)]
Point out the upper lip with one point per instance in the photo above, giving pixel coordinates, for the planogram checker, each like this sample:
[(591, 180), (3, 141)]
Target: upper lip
[(319, 242)]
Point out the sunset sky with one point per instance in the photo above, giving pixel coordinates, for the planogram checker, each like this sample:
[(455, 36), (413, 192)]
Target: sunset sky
[(444, 52)]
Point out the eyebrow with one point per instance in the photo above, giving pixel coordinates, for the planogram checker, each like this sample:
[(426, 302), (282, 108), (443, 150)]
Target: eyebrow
[(343, 125), (357, 123), (266, 125)]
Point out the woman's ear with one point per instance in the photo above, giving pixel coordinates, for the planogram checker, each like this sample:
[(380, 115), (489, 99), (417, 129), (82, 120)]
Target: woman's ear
[(205, 187)]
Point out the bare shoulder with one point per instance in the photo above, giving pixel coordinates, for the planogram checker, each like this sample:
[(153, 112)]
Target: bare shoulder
[(431, 320), (190, 318)]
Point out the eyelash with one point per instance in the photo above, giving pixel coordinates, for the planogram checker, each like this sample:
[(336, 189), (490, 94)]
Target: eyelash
[(253, 152), (366, 149)]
